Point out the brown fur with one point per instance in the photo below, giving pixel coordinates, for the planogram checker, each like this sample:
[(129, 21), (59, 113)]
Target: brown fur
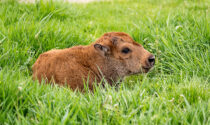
[(102, 59)]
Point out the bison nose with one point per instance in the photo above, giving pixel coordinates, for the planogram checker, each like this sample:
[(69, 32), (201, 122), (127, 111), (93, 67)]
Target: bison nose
[(151, 60)]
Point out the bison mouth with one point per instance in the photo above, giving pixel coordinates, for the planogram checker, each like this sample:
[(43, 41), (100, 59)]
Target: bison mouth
[(142, 70), (146, 69)]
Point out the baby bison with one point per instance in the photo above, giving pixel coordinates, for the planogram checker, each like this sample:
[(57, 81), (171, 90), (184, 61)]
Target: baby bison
[(111, 57)]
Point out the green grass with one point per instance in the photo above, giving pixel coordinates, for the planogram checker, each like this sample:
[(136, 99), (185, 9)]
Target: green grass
[(176, 91)]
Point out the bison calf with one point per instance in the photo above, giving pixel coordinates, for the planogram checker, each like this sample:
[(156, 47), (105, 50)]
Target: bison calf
[(112, 57)]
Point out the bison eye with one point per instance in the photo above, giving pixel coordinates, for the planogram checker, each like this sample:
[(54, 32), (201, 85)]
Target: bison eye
[(125, 50)]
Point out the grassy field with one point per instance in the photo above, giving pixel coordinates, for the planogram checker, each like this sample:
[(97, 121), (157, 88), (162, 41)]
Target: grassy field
[(176, 91)]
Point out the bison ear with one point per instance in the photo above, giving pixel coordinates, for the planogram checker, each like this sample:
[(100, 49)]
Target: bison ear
[(103, 50)]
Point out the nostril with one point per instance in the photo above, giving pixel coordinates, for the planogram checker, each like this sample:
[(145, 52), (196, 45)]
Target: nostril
[(151, 60)]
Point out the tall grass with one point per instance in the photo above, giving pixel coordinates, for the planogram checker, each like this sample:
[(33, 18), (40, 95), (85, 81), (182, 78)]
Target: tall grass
[(177, 91)]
